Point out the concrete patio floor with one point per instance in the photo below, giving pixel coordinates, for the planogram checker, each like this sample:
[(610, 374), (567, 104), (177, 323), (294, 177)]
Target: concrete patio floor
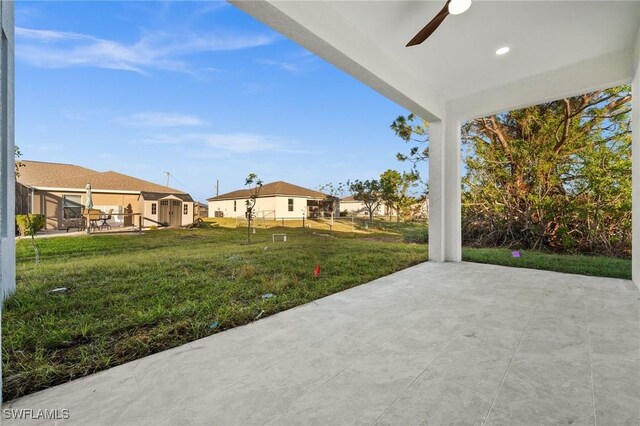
[(436, 343)]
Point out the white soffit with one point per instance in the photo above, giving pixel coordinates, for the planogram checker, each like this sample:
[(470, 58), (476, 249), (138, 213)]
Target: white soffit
[(549, 42)]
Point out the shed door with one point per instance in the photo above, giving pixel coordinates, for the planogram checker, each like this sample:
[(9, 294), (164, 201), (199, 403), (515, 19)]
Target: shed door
[(163, 212), (175, 213)]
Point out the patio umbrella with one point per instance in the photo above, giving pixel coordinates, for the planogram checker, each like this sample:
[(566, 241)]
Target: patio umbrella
[(89, 201), (88, 204)]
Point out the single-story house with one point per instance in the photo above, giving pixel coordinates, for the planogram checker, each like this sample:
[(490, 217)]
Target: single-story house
[(276, 200), (58, 192), (354, 207)]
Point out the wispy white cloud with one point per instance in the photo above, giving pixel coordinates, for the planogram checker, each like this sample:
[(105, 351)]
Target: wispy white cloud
[(59, 49), (161, 119), (238, 143), (219, 143), (47, 35), (203, 145), (285, 66), (293, 62)]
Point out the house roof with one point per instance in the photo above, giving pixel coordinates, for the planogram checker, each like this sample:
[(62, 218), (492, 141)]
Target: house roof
[(270, 190), (38, 174), (348, 199), (153, 196)]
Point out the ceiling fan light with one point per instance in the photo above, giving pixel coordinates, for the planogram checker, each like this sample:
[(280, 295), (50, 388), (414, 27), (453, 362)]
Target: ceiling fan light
[(456, 7)]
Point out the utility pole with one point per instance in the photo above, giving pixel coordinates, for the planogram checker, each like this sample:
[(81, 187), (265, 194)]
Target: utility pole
[(217, 187), (168, 175)]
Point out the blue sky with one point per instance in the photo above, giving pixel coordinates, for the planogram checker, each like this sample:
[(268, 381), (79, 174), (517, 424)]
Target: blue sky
[(199, 89)]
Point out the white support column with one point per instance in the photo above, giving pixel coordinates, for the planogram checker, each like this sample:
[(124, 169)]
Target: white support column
[(445, 239), (436, 191), (7, 176), (635, 179)]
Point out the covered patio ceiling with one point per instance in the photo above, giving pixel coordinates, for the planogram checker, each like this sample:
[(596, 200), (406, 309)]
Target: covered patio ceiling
[(558, 48)]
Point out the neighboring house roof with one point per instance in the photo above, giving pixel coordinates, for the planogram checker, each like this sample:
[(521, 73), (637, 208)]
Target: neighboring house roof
[(39, 174), (154, 196), (270, 190), (350, 198)]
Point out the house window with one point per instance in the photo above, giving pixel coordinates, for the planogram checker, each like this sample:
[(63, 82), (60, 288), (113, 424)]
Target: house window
[(290, 204), (185, 208), (154, 208), (235, 207), (71, 206)]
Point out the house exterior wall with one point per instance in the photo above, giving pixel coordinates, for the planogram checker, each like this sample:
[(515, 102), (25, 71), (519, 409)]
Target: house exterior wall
[(358, 208), (299, 207), (50, 204), (265, 206), (271, 208)]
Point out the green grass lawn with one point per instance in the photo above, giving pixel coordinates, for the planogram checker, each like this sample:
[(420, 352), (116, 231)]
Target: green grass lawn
[(133, 295), (599, 266)]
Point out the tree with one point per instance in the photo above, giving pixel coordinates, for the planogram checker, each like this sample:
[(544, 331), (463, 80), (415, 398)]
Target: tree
[(30, 225), (17, 154), (335, 192), (368, 192), (412, 130), (255, 185), (395, 188), (554, 176)]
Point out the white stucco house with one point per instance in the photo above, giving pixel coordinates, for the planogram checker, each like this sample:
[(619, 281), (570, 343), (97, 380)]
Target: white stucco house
[(353, 207), (276, 200)]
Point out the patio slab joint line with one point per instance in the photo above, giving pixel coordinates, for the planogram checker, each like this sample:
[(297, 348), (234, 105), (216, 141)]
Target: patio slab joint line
[(515, 351), (414, 380), (293, 404)]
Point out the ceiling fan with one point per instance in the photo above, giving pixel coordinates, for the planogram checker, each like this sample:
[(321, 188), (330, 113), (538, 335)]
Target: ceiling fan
[(452, 7)]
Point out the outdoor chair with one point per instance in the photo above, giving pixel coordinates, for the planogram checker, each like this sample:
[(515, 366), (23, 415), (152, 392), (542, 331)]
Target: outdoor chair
[(94, 217), (104, 219), (74, 219)]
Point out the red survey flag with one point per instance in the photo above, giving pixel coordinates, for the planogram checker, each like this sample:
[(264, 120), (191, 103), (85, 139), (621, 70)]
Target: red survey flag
[(316, 271)]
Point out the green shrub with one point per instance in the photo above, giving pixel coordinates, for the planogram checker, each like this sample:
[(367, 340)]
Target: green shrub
[(29, 224)]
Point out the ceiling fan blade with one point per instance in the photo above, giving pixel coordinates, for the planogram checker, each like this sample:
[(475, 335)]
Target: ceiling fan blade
[(430, 27)]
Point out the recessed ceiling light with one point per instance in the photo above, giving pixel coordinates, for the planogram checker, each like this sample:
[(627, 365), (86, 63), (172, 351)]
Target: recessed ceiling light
[(456, 7), (503, 50)]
